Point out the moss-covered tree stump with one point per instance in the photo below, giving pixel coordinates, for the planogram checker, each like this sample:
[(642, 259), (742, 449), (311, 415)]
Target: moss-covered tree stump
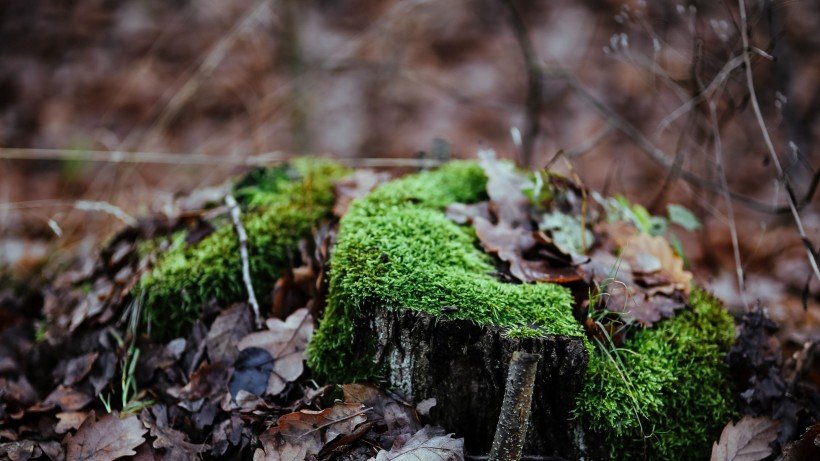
[(414, 303)]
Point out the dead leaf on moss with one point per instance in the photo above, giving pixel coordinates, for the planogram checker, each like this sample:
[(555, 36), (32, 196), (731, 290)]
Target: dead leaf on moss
[(651, 256), (430, 443), (105, 439), (505, 186), (748, 440), (461, 213), (306, 432), (354, 186)]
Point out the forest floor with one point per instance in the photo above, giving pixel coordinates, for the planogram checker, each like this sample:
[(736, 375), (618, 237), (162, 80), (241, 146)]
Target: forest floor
[(111, 114)]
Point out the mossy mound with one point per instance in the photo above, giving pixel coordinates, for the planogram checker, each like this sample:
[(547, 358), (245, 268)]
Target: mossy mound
[(666, 394), (280, 206), (397, 250)]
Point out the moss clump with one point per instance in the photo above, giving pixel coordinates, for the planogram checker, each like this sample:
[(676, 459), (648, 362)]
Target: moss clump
[(397, 250), (666, 394), (280, 207)]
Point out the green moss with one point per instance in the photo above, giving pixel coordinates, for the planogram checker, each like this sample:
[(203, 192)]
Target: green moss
[(397, 250), (280, 207), (666, 394)]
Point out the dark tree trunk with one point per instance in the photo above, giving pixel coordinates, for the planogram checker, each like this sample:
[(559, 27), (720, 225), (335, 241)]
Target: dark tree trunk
[(464, 367)]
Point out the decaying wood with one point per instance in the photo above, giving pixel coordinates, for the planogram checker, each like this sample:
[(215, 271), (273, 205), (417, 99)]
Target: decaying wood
[(464, 367), (515, 411)]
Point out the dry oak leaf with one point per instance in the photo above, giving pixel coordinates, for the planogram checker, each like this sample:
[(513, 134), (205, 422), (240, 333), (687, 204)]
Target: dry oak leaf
[(175, 443), (105, 439), (226, 332), (506, 186), (304, 433), (399, 417), (748, 440), (648, 254), (430, 443), (285, 342)]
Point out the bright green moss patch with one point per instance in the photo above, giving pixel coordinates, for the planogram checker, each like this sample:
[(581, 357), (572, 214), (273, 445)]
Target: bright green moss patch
[(397, 250), (280, 205), (666, 394)]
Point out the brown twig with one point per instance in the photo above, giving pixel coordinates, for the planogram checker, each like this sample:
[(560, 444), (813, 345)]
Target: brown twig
[(511, 431), (781, 174), (535, 84)]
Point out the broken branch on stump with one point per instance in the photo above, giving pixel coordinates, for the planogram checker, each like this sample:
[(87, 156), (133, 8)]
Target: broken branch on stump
[(515, 411)]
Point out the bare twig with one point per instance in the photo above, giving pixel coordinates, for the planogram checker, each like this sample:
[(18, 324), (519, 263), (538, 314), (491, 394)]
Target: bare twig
[(265, 159), (512, 426), (243, 251), (105, 207), (209, 64), (535, 84), (727, 198), (664, 160), (782, 176), (589, 143)]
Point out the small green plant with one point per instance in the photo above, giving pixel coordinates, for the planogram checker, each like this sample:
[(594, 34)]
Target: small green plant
[(619, 208), (132, 400)]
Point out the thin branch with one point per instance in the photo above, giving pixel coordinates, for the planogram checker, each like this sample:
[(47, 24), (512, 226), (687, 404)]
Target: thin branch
[(535, 84), (170, 158), (662, 159), (589, 143), (790, 195), (243, 251), (716, 83), (512, 426), (727, 198), (217, 53), (105, 207)]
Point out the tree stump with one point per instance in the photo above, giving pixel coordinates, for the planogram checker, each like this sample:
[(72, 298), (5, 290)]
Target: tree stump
[(464, 367)]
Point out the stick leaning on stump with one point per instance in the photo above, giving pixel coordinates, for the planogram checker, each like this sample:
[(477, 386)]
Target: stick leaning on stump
[(515, 411)]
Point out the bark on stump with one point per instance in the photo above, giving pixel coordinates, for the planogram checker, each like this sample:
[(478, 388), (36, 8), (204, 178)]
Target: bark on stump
[(464, 367)]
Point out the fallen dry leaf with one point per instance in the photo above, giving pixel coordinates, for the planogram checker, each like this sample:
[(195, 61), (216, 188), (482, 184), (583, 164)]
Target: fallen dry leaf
[(207, 381), (748, 440), (354, 186), (306, 432), (399, 417), (69, 420), (78, 367), (228, 329), (430, 443), (105, 439), (174, 442), (285, 342), (649, 255), (505, 186), (68, 399), (807, 448)]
